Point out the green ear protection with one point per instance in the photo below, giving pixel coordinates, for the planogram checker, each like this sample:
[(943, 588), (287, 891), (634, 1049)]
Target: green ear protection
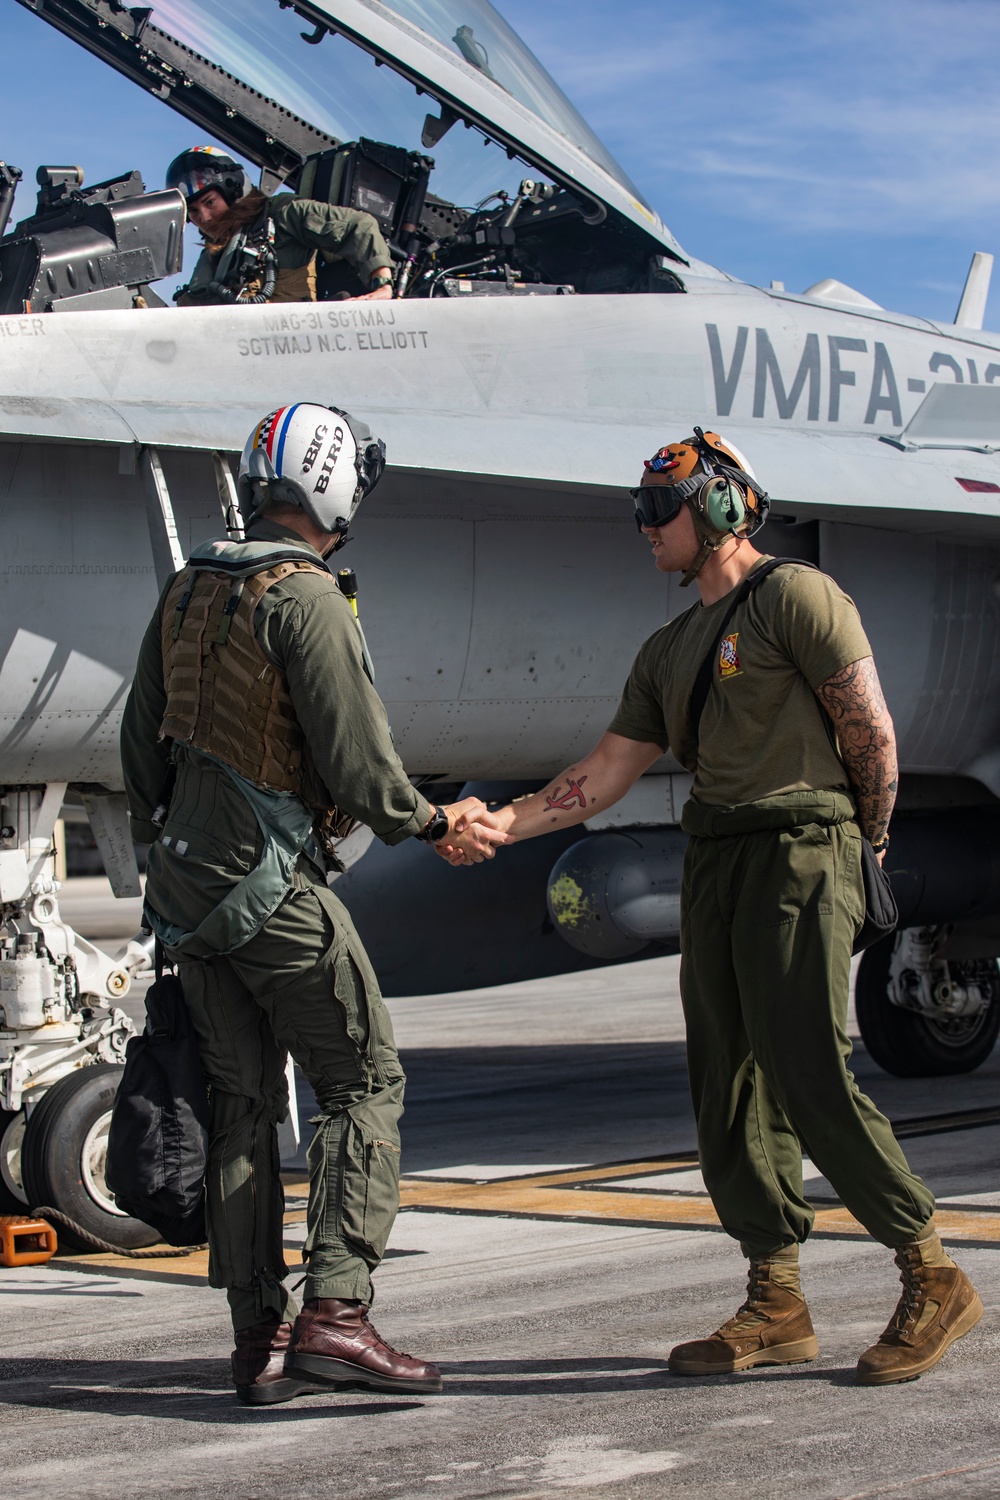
[(724, 505)]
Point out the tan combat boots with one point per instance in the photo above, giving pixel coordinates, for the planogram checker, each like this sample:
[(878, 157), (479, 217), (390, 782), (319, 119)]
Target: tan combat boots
[(939, 1304), (773, 1327)]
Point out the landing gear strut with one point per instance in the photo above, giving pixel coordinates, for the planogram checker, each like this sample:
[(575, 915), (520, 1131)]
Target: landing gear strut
[(62, 1037), (922, 1014)]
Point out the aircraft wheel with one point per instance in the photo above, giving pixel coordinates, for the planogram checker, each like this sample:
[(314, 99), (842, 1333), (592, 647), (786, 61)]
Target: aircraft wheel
[(12, 1199), (913, 1045), (65, 1147)]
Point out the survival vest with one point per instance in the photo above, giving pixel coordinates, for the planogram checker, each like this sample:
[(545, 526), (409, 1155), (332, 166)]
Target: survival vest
[(225, 697), (228, 701)]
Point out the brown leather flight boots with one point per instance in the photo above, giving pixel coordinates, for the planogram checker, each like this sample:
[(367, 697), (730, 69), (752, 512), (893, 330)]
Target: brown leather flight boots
[(259, 1365), (939, 1304), (772, 1327), (333, 1342)]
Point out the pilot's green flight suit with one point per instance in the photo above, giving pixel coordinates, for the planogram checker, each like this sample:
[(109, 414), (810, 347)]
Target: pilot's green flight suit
[(771, 901), (303, 228), (303, 984)]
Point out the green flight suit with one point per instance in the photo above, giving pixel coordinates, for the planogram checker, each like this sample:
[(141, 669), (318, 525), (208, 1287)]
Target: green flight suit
[(304, 227), (303, 985), (771, 901)]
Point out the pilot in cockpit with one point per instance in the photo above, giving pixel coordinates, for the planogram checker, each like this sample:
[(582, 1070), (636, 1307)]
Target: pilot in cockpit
[(264, 249)]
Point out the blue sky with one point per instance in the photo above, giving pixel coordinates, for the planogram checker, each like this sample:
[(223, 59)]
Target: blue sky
[(780, 139)]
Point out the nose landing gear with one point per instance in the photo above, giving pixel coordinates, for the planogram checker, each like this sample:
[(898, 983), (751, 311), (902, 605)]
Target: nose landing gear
[(922, 1014), (62, 1037)]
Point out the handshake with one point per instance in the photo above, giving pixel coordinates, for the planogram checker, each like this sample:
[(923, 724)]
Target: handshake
[(474, 832)]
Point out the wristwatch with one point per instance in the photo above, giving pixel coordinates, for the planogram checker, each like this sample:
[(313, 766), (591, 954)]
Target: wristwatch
[(435, 828), (382, 277)]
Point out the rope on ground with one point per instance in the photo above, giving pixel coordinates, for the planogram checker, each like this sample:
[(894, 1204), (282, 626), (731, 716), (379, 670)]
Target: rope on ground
[(98, 1244)]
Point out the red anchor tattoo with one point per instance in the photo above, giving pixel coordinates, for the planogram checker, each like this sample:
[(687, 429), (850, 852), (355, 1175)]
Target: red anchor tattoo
[(571, 795)]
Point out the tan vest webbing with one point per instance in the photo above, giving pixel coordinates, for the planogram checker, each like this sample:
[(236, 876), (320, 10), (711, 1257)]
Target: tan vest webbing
[(224, 696), (296, 283)]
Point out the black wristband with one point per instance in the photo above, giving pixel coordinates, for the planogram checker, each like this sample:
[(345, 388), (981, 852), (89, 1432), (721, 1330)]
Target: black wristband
[(435, 828)]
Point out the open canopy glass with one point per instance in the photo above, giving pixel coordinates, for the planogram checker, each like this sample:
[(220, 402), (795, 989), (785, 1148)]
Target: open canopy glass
[(458, 51)]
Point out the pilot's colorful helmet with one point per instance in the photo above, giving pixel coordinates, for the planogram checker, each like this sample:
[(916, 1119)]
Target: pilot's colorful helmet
[(316, 457), (203, 167)]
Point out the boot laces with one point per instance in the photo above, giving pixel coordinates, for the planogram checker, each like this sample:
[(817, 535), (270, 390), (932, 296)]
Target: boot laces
[(750, 1315), (384, 1342), (910, 1267)]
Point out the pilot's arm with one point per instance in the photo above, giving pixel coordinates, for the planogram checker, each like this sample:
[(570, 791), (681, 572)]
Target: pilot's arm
[(307, 630), (306, 225)]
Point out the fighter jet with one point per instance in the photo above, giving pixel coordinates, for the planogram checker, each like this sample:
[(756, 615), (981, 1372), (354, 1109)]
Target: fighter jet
[(540, 343)]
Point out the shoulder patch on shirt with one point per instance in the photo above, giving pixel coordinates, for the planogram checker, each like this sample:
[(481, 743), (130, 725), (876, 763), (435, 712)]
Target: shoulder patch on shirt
[(729, 661)]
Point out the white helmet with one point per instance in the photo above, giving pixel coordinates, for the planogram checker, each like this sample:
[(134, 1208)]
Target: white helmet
[(317, 457)]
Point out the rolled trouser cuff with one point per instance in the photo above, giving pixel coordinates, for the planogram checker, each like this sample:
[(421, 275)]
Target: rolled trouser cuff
[(250, 1305), (337, 1271)]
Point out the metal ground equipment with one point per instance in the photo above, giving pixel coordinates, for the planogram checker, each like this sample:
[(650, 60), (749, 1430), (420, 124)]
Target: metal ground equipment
[(88, 248)]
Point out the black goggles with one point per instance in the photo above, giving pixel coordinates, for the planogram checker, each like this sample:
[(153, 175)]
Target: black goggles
[(658, 504)]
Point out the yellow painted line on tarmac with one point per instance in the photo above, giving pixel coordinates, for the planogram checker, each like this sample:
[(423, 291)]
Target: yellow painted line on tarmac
[(549, 1200), (547, 1197), (553, 1195)]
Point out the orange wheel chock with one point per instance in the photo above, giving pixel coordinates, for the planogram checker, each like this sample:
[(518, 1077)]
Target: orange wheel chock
[(26, 1242)]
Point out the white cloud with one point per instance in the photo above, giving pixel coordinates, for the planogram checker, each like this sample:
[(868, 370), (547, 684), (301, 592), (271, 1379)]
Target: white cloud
[(880, 117)]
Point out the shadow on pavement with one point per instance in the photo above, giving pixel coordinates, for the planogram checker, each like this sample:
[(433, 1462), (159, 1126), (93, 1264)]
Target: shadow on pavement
[(541, 1376), (513, 1105), (148, 1388)]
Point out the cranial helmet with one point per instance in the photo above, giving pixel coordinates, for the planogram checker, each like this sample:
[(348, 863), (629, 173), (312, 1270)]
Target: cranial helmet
[(716, 483), (316, 457), (204, 167)]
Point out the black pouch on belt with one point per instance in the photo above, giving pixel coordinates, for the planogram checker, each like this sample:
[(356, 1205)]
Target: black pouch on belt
[(881, 914)]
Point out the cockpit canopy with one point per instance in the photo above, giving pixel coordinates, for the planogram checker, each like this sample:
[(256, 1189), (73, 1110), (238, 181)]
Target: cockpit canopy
[(330, 98), (460, 57)]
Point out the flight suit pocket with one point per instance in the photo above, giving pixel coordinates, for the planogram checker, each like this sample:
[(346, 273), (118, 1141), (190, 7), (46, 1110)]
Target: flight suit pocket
[(368, 1022), (800, 879), (349, 989), (850, 878), (371, 1172)]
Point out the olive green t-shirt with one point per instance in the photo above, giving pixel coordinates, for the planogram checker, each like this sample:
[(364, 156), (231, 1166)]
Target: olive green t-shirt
[(763, 730)]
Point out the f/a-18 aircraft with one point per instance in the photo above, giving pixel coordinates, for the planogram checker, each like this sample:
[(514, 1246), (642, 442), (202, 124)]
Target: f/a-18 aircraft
[(538, 346)]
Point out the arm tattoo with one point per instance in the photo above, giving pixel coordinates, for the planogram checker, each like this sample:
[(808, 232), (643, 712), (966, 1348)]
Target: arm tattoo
[(866, 741), (565, 800)]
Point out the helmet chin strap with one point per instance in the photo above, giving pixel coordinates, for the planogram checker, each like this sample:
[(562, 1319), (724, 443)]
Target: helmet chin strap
[(711, 540)]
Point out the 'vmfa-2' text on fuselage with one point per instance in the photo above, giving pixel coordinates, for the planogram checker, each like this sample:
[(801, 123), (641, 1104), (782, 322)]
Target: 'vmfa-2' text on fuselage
[(547, 340)]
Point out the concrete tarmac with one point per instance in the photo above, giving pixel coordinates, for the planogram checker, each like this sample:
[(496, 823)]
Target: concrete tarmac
[(555, 1243)]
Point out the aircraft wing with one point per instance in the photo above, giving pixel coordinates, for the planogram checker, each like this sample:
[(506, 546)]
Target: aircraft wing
[(559, 391)]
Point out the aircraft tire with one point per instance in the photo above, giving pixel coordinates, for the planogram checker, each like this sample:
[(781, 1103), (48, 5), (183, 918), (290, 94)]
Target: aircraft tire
[(911, 1045), (12, 1199), (63, 1159)]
